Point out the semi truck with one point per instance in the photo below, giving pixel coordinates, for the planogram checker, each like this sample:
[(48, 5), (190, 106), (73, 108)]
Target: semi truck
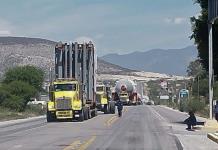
[(103, 98), (73, 91), (127, 92)]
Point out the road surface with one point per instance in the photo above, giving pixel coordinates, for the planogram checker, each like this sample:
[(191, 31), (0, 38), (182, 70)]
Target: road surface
[(141, 127)]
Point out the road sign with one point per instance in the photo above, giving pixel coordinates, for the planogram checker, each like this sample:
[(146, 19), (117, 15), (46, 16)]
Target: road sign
[(163, 84), (164, 97), (183, 93)]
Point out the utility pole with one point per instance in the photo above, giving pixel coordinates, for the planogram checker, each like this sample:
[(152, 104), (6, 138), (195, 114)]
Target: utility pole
[(210, 28), (198, 88), (212, 16)]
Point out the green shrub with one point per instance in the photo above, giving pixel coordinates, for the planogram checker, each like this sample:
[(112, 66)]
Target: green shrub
[(21, 89), (29, 74), (195, 105), (183, 105), (36, 109), (4, 94), (14, 103), (16, 95)]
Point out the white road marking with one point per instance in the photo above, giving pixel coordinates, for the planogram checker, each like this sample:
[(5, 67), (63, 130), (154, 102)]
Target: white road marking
[(157, 114)]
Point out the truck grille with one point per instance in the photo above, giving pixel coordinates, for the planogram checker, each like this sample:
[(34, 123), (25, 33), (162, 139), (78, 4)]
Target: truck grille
[(63, 103)]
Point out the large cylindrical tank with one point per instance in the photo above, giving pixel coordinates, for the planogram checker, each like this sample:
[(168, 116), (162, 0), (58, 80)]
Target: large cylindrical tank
[(125, 85)]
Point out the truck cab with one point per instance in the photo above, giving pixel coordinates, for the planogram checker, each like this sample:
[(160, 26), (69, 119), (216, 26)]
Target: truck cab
[(65, 100), (103, 100), (124, 97), (72, 89)]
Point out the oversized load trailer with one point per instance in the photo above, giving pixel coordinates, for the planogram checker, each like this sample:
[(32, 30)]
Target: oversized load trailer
[(103, 99), (73, 91), (126, 90)]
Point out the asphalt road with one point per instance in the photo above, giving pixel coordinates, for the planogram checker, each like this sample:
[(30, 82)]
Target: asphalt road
[(141, 127)]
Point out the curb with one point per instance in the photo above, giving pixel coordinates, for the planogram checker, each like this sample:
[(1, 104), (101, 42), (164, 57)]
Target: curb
[(179, 145), (19, 121), (185, 113), (213, 137)]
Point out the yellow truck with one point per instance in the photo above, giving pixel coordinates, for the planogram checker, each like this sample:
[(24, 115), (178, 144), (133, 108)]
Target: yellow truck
[(103, 99), (73, 91)]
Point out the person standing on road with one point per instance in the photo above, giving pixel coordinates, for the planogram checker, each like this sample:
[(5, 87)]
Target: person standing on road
[(216, 111), (119, 104)]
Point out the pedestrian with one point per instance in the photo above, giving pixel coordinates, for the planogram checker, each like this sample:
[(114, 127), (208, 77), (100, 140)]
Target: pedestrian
[(191, 120), (119, 104), (216, 111)]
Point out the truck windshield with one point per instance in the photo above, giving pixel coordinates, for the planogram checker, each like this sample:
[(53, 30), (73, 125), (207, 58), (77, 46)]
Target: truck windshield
[(65, 87), (100, 88)]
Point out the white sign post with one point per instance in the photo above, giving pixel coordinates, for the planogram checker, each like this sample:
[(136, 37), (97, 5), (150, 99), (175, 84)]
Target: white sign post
[(212, 16)]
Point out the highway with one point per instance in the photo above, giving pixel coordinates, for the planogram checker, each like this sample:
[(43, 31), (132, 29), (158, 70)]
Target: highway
[(141, 127)]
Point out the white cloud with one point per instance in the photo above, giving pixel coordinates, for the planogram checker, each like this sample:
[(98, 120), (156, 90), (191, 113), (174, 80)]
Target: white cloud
[(168, 20), (5, 28), (179, 20), (5, 33), (176, 20), (84, 39), (99, 36)]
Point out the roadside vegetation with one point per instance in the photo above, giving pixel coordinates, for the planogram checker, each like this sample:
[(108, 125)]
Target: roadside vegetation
[(197, 85), (18, 86), (197, 70)]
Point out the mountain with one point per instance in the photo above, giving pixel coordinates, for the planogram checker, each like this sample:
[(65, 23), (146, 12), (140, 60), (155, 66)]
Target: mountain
[(109, 68), (172, 61), (18, 51)]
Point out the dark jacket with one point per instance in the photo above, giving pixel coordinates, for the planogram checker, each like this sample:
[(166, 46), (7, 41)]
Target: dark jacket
[(191, 120), (119, 105)]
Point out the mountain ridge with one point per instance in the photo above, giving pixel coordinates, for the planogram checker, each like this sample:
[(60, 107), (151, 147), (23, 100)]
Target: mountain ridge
[(19, 51), (156, 60)]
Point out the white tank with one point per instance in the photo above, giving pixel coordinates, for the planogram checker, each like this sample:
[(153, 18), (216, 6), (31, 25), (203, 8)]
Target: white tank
[(125, 85)]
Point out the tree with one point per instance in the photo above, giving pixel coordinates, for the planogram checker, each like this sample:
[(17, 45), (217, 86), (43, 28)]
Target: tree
[(16, 95), (4, 94), (14, 103), (200, 35), (203, 90), (195, 69), (30, 74)]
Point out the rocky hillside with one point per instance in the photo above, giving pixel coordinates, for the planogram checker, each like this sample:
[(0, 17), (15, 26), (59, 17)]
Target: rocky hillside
[(109, 68), (39, 52)]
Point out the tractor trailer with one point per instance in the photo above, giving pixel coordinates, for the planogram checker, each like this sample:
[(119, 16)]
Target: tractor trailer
[(73, 91), (103, 99), (126, 90)]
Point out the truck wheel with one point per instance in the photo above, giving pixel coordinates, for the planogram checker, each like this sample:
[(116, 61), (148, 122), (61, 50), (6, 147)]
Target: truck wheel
[(81, 116), (86, 114), (89, 114), (49, 117), (93, 113), (96, 112), (105, 109)]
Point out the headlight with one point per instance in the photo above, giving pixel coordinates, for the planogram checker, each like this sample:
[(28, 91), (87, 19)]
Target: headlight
[(50, 105)]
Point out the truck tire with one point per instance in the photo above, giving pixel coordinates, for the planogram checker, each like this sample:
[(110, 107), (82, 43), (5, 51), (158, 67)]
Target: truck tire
[(96, 112), (49, 117), (112, 107), (89, 114), (93, 113), (81, 116), (86, 117), (105, 109)]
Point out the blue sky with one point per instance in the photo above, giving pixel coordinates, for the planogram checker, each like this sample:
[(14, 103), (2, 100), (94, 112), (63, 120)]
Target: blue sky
[(115, 26)]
